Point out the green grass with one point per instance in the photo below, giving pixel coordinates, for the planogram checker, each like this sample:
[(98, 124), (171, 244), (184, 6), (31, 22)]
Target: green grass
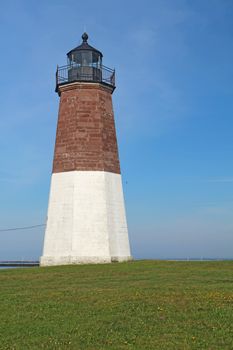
[(140, 305)]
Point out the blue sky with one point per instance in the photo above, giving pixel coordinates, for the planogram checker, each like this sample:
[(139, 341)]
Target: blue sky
[(173, 108)]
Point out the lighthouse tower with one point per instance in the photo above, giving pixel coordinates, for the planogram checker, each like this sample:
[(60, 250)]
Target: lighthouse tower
[(86, 214)]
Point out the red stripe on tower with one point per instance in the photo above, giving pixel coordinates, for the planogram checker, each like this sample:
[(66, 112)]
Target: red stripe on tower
[(86, 137)]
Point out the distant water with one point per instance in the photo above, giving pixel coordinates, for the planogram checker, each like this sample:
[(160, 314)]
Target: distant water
[(14, 267)]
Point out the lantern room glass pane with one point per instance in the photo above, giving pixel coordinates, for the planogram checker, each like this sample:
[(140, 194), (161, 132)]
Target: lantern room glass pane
[(86, 58)]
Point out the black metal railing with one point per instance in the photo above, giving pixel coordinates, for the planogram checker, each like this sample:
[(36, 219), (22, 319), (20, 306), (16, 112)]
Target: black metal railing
[(72, 73)]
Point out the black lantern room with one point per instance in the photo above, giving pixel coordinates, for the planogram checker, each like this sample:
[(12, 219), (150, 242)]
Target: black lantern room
[(84, 63)]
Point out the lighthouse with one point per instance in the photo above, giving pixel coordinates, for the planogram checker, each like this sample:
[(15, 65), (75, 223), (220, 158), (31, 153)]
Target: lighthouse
[(86, 221)]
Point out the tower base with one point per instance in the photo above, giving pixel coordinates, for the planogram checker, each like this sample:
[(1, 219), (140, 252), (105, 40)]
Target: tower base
[(86, 220), (72, 260)]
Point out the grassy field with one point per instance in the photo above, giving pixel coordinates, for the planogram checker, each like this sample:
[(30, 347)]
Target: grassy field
[(140, 305)]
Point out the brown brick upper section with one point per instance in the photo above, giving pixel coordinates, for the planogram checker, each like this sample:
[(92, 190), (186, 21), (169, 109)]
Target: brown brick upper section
[(86, 136)]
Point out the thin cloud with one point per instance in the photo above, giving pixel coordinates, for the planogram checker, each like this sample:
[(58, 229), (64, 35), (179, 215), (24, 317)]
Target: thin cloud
[(221, 180)]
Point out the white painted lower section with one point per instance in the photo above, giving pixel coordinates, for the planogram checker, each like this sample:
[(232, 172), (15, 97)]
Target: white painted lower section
[(86, 219)]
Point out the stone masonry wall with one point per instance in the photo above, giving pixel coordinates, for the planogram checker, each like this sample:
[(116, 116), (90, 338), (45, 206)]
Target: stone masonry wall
[(86, 136)]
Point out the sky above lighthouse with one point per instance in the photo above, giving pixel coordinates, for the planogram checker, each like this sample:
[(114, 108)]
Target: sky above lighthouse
[(173, 108)]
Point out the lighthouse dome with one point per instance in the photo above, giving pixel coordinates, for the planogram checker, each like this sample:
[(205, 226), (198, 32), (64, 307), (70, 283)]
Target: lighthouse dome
[(84, 54)]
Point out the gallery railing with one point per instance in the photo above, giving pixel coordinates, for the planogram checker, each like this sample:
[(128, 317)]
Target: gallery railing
[(91, 73)]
